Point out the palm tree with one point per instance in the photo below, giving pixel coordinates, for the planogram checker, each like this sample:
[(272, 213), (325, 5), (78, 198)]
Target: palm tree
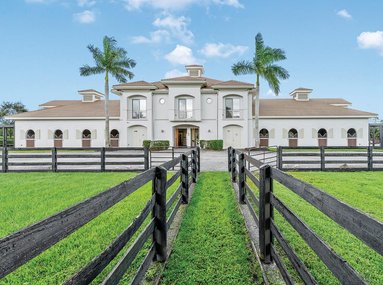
[(264, 66), (112, 60)]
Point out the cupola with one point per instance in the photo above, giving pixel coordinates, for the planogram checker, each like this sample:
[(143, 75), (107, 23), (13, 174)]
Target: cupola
[(301, 94), (195, 70), (90, 95)]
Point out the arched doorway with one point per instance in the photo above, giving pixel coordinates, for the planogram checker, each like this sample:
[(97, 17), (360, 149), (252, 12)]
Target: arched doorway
[(86, 138), (30, 138), (293, 138), (351, 137), (58, 138), (322, 137), (114, 137), (263, 138)]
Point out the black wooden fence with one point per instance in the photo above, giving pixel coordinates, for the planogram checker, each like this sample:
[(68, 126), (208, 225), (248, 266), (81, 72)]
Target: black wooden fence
[(365, 228), (74, 159), (20, 247), (330, 158)]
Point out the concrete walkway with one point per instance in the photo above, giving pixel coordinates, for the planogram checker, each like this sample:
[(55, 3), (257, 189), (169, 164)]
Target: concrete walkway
[(213, 160)]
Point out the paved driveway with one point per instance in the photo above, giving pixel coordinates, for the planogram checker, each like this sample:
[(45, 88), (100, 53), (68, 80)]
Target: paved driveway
[(213, 160)]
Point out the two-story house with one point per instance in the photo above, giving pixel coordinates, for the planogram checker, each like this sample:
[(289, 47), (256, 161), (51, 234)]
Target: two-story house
[(187, 109)]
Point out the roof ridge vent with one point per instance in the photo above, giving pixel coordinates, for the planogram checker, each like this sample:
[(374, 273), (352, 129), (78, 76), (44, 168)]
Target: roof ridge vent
[(90, 95), (301, 94), (195, 70)]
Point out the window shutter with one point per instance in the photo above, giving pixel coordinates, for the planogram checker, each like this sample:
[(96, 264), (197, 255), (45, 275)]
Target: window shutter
[(314, 133), (331, 133), (344, 133), (22, 134), (50, 135), (94, 134), (78, 134), (65, 134), (360, 133), (37, 134), (301, 133), (284, 134), (272, 134)]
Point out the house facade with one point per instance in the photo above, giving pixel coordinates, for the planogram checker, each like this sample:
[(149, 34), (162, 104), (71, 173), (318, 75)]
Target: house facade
[(187, 109)]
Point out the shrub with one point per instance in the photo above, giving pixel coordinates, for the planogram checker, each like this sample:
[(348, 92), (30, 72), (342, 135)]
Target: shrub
[(159, 145), (146, 143), (212, 144)]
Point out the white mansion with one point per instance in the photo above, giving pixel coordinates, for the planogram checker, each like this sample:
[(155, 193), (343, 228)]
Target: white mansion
[(187, 109)]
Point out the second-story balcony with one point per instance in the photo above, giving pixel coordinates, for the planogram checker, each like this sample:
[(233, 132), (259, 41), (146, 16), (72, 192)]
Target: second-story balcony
[(230, 114), (190, 115)]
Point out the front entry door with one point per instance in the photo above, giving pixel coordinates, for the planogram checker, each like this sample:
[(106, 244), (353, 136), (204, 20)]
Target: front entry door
[(181, 137), (194, 137)]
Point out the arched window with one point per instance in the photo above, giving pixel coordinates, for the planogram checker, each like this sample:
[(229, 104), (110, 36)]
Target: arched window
[(351, 137), (86, 138), (263, 137), (322, 137), (293, 138), (30, 138), (58, 138), (30, 134), (114, 137)]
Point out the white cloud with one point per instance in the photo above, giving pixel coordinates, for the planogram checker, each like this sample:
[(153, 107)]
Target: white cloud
[(86, 17), (222, 50), (181, 55), (371, 40), (177, 4), (155, 38), (344, 14), (86, 3), (174, 73), (270, 93), (169, 27)]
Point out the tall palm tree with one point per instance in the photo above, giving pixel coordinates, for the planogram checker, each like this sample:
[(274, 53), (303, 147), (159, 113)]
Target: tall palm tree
[(264, 66), (112, 60)]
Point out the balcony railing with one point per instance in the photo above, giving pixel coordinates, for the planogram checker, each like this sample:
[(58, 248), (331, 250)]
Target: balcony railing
[(141, 115), (233, 114), (185, 115)]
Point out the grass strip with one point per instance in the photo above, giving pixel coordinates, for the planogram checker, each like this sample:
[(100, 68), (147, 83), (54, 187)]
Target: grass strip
[(212, 246)]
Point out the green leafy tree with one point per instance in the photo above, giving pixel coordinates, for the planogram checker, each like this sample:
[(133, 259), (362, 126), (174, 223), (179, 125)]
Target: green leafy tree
[(9, 109), (112, 60), (263, 65)]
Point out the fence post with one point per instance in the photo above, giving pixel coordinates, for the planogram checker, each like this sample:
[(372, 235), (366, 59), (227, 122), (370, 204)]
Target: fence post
[(159, 214), (185, 179), (265, 213), (198, 159), (322, 159), (102, 152), (242, 178), (279, 157), (54, 159), (370, 153), (233, 166), (229, 158), (146, 158), (4, 158), (173, 155), (194, 166)]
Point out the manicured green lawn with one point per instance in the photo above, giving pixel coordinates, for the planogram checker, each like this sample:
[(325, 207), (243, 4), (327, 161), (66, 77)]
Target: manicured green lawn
[(29, 197), (362, 190), (212, 246)]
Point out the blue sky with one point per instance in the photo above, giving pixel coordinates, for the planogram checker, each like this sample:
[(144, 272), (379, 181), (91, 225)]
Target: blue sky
[(334, 47)]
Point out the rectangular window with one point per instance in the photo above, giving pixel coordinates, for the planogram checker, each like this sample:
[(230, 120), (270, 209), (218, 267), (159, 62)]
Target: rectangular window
[(138, 108), (232, 108), (185, 108)]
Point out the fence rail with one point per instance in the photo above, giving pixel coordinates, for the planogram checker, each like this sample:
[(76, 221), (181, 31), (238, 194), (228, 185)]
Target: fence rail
[(330, 158), (20, 247), (362, 226)]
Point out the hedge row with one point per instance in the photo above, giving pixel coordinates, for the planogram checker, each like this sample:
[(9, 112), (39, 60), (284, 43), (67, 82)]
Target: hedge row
[(212, 144), (156, 145)]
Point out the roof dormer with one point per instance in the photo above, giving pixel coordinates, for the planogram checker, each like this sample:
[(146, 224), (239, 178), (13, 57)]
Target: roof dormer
[(195, 70), (90, 95), (301, 94)]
